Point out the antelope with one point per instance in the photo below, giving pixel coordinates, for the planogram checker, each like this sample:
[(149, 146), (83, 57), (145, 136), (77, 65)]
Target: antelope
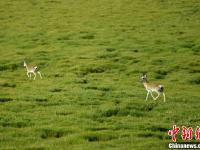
[(32, 70), (151, 87)]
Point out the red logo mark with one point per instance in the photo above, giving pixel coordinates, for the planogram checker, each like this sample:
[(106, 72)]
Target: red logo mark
[(173, 132), (186, 133)]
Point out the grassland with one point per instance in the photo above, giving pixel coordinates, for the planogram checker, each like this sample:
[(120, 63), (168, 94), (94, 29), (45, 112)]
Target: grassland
[(91, 54)]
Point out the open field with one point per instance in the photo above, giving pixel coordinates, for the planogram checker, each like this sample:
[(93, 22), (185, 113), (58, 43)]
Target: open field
[(91, 54)]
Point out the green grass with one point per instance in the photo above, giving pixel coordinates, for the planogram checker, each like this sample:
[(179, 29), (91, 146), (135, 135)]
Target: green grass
[(91, 54)]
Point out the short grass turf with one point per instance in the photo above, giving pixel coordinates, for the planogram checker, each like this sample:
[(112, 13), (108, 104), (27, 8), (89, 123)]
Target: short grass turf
[(91, 54)]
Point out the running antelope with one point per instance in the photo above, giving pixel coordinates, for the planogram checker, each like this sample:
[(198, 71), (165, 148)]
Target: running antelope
[(32, 70), (151, 87)]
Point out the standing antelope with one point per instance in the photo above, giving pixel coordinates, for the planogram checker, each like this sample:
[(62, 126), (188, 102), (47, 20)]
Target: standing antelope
[(151, 87), (32, 70)]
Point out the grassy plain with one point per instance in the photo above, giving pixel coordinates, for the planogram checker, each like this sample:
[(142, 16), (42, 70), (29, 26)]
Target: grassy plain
[(91, 54)]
